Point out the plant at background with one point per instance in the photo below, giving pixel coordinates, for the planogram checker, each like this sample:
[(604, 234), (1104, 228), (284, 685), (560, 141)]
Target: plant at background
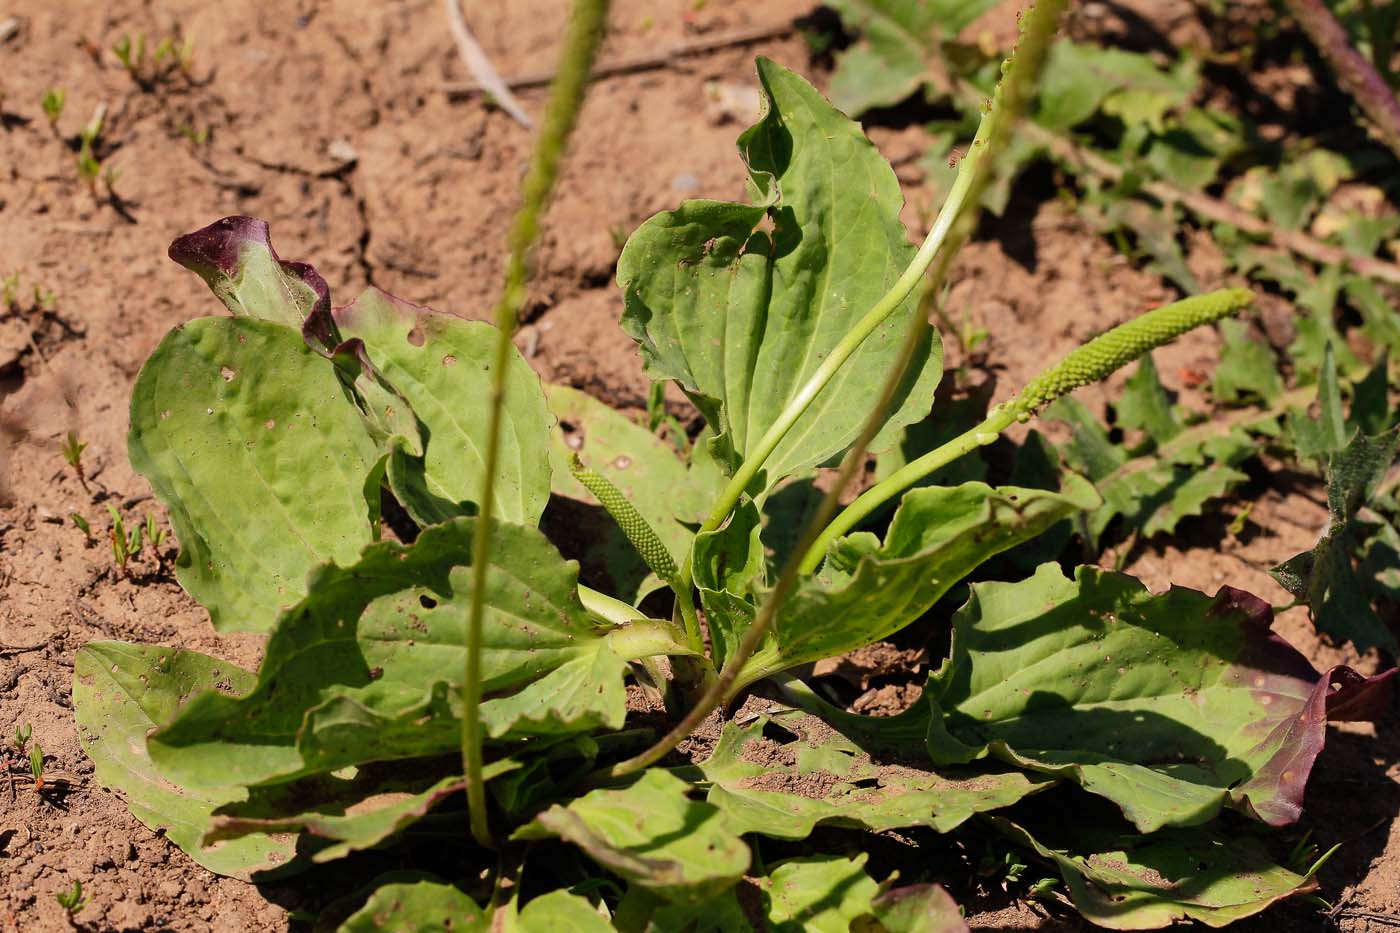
[(1127, 129), (470, 660)]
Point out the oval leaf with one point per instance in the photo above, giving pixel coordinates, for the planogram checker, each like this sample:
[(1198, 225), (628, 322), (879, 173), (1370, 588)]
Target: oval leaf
[(442, 366), (249, 439), (741, 316), (1171, 706)]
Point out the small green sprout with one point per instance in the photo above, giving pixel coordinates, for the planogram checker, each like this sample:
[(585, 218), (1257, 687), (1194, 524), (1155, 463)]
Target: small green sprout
[(73, 456), (36, 766), (132, 54), (52, 102), (44, 298), (22, 734), (72, 900), (89, 169), (155, 537), (82, 525), (125, 545), (196, 136), (9, 291)]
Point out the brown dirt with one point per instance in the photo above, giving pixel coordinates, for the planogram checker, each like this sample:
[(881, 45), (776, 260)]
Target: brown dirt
[(328, 120)]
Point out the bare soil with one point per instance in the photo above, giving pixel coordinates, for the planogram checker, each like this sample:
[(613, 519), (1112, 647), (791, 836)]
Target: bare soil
[(329, 120)]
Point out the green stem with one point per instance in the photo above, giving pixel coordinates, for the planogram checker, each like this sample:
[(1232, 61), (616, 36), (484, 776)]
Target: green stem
[(1038, 26), (851, 342), (585, 30), (1090, 363)]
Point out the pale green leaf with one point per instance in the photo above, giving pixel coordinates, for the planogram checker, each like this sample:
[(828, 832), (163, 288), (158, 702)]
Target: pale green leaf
[(867, 590), (853, 790), (251, 441), (1123, 881), (417, 907), (741, 304), (441, 365), (367, 667), (896, 38), (652, 835), (120, 693)]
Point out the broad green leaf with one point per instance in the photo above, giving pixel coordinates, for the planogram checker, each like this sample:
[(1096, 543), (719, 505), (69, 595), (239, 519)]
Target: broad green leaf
[(1171, 706), (823, 894), (417, 907), (235, 258), (652, 835), (361, 818), (820, 893), (367, 666), (867, 590), (1247, 367), (442, 366), (643, 467), (120, 693), (740, 304), (1080, 78), (1124, 881), (250, 440), (821, 777), (558, 912), (897, 39)]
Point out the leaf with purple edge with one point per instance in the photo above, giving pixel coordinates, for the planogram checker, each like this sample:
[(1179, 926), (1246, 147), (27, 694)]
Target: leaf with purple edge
[(1170, 705), (235, 258)]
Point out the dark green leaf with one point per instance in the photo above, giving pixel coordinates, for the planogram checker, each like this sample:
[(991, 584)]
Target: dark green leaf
[(417, 907), (1171, 706)]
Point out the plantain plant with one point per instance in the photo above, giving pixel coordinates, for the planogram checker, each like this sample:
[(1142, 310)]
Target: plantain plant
[(464, 658)]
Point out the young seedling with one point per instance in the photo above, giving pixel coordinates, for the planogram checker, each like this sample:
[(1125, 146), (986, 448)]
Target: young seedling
[(9, 291), (36, 767), (22, 734), (52, 102), (131, 53), (125, 545), (73, 455), (72, 900), (155, 537), (45, 299), (83, 526)]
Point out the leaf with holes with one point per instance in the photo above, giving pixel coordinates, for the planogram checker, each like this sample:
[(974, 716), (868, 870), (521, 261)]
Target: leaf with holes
[(249, 439), (366, 667), (120, 693), (787, 788), (442, 366)]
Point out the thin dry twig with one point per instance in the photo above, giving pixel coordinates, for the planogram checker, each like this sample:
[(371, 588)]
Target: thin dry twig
[(642, 62), (474, 57), (1354, 73)]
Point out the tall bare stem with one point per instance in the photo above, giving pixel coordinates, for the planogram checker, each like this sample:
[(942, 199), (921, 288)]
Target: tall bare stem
[(586, 21)]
